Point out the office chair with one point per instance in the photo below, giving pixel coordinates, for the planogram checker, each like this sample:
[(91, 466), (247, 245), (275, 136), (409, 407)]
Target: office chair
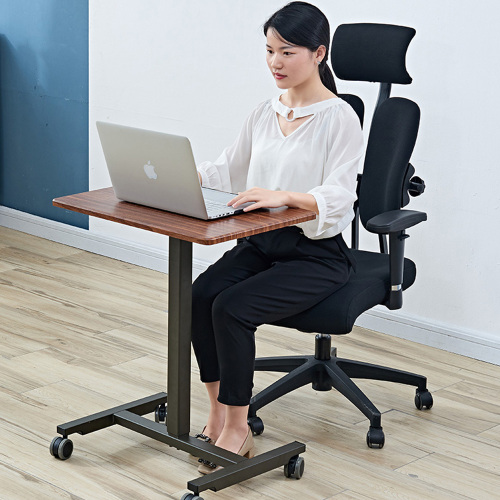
[(376, 53)]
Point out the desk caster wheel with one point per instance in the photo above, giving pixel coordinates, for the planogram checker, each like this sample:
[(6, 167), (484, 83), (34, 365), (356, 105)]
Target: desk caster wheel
[(295, 467), (160, 413), (375, 437), (423, 400), (61, 448), (256, 425), (190, 496)]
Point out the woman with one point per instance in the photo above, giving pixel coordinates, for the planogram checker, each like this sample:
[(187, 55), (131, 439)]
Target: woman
[(301, 149)]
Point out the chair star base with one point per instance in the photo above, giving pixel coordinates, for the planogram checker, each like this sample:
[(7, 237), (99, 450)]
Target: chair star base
[(325, 371)]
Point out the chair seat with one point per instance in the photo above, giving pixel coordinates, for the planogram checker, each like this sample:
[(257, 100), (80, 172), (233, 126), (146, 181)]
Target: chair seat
[(367, 287)]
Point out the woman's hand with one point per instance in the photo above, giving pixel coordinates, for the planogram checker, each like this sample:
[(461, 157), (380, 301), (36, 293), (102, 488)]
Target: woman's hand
[(266, 198), (261, 198)]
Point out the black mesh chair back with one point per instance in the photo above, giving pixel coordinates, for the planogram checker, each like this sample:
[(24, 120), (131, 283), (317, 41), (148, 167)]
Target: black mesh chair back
[(392, 138)]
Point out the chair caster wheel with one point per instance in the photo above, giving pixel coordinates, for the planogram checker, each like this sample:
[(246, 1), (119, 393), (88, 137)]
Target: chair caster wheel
[(190, 496), (256, 425), (423, 400), (160, 413), (61, 448), (375, 437), (295, 467)]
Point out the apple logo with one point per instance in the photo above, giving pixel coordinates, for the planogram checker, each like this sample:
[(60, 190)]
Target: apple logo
[(150, 171)]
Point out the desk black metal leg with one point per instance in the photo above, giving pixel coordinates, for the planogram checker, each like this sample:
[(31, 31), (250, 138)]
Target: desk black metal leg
[(179, 336)]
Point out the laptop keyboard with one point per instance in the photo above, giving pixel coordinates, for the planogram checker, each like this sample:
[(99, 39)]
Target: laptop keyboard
[(218, 208)]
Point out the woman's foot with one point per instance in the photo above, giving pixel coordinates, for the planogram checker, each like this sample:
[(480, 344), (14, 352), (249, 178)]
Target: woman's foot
[(211, 431), (232, 441), (204, 437)]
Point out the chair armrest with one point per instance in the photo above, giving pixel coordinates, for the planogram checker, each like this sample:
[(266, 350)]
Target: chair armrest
[(395, 221)]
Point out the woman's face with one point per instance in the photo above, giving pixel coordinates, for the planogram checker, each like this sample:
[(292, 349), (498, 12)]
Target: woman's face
[(290, 65)]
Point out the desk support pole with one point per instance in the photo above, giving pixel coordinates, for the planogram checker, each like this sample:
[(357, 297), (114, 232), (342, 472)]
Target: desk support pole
[(179, 336)]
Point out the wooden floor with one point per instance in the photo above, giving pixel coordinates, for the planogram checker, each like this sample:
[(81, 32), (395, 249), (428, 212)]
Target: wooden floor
[(80, 333)]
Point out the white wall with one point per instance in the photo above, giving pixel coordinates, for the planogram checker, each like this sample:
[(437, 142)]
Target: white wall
[(197, 68)]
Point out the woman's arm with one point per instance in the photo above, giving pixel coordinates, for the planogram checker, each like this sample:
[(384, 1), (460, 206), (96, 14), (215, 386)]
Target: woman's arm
[(266, 198)]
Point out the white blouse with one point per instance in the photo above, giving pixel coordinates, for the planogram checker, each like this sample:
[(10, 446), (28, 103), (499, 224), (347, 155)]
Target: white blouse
[(321, 157)]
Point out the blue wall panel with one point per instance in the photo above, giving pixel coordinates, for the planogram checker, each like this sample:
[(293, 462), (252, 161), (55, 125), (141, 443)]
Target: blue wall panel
[(43, 105)]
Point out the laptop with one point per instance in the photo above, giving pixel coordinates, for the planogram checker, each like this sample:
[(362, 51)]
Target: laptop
[(158, 170)]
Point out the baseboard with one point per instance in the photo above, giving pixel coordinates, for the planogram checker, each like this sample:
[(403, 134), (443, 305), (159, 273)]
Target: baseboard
[(473, 344), (477, 345)]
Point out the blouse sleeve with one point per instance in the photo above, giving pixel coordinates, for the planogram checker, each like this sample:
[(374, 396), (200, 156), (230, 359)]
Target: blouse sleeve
[(229, 172), (336, 195)]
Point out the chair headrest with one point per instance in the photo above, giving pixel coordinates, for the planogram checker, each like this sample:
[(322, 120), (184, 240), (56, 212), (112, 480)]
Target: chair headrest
[(371, 52)]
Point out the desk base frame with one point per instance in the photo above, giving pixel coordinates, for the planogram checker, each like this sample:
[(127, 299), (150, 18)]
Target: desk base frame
[(236, 468), (176, 431)]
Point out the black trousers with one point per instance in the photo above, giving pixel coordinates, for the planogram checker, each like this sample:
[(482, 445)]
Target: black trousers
[(264, 278)]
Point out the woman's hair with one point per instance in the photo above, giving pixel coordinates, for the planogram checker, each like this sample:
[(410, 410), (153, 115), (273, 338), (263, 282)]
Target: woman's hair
[(304, 25)]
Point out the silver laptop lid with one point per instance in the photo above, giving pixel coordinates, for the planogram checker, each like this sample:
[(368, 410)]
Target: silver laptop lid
[(153, 169)]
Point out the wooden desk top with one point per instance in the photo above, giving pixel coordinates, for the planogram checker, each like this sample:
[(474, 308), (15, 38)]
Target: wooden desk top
[(103, 203)]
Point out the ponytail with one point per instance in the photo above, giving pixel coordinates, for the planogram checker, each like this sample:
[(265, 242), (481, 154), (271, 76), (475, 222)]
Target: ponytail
[(326, 75)]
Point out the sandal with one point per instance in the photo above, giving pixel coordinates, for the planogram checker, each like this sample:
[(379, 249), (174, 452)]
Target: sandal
[(247, 450), (203, 437)]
